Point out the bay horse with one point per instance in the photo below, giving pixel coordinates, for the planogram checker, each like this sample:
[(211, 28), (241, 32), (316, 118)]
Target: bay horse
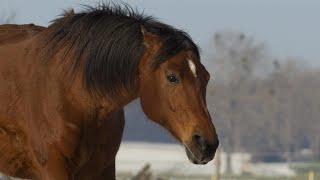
[(63, 89)]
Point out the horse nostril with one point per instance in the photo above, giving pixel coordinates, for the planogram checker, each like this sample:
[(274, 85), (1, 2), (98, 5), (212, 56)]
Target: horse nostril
[(196, 137), (200, 141), (204, 145), (205, 149)]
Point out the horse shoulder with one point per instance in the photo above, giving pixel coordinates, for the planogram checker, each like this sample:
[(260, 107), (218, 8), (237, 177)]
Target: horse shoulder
[(101, 146)]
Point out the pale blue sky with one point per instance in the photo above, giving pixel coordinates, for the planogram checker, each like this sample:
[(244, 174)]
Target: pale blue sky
[(289, 27)]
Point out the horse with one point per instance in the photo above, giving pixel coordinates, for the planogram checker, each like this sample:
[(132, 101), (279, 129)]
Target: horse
[(63, 89)]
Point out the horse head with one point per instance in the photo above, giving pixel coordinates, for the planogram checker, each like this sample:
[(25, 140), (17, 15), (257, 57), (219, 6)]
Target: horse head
[(173, 93)]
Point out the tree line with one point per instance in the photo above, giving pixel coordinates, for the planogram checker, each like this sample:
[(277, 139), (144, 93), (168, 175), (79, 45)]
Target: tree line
[(262, 105)]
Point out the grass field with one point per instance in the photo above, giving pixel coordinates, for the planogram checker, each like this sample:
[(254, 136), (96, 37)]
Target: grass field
[(302, 169), (168, 177)]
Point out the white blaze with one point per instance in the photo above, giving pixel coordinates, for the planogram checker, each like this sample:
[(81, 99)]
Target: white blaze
[(192, 67)]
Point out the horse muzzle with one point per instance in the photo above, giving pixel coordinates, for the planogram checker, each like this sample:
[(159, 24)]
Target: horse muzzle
[(201, 151)]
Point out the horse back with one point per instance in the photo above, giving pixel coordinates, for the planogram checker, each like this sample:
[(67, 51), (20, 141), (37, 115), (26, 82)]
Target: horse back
[(11, 33)]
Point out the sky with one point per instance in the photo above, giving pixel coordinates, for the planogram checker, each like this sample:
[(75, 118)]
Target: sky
[(290, 28)]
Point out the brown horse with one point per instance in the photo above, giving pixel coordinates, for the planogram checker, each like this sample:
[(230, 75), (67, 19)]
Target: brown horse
[(63, 89)]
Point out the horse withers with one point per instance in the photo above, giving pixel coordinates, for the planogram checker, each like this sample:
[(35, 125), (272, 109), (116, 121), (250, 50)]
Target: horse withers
[(63, 89)]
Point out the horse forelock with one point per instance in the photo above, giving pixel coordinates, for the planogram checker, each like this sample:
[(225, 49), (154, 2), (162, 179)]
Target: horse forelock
[(107, 44)]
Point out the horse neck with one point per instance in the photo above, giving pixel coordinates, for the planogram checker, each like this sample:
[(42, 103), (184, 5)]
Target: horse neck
[(115, 104), (101, 105), (77, 95)]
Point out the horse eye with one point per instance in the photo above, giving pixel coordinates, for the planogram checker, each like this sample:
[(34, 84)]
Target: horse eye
[(172, 78)]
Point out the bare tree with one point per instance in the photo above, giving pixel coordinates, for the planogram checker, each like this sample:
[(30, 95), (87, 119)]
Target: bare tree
[(264, 106), (236, 61)]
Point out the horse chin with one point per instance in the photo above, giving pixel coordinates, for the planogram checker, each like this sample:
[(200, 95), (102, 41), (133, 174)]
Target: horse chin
[(194, 158)]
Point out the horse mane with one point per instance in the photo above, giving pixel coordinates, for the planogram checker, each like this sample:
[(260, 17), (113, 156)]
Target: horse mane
[(108, 41)]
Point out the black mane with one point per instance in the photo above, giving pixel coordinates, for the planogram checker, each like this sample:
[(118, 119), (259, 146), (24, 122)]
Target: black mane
[(108, 39)]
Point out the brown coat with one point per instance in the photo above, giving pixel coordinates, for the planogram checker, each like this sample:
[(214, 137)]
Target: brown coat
[(31, 130)]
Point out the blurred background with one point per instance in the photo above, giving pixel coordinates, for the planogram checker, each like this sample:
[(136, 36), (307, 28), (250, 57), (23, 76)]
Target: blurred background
[(264, 93)]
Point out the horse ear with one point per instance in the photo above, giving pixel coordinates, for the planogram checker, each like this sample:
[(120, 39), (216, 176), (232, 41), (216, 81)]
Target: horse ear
[(69, 13), (148, 38)]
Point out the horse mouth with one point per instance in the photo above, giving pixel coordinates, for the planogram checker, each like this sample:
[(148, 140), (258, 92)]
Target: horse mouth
[(197, 157)]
